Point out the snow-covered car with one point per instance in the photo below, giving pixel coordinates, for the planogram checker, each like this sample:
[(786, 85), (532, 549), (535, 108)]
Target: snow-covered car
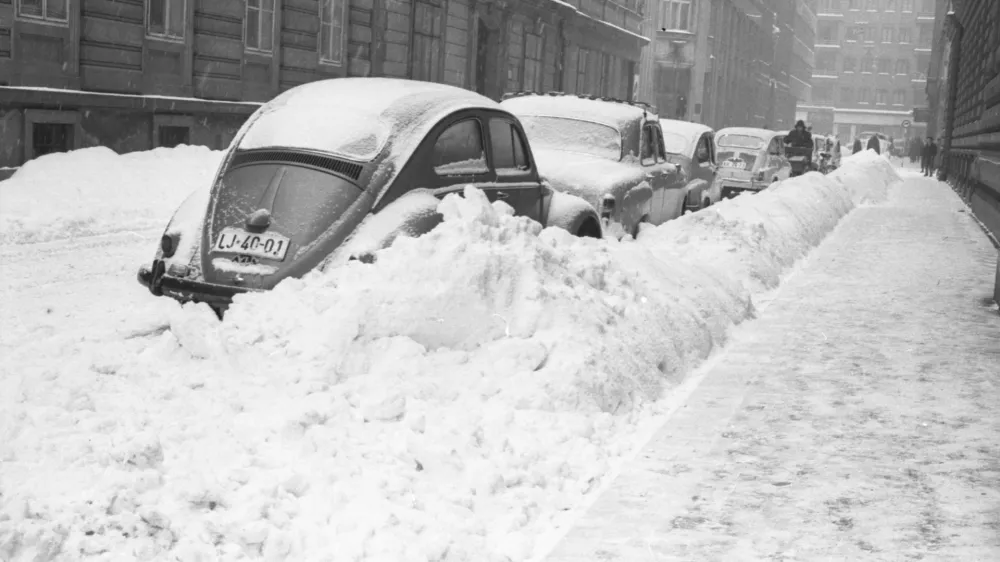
[(337, 169), (607, 151), (691, 146), (750, 159)]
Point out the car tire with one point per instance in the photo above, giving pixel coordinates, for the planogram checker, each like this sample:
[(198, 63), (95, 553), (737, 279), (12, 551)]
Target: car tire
[(706, 203)]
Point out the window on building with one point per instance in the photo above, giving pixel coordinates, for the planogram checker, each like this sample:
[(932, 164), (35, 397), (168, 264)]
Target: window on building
[(887, 33), (459, 150), (173, 135), (870, 33), (165, 18), (881, 97), (890, 5), (508, 147), (864, 95), (822, 94), (829, 32), (928, 6), (332, 14), (868, 64), (826, 62), (905, 35), (906, 5), (926, 34), (871, 5), (582, 61), (676, 14), (48, 10), (532, 62), (854, 4), (428, 38), (47, 138), (884, 65), (846, 96), (923, 63), (829, 6), (850, 64), (899, 97), (854, 33), (902, 66), (260, 25)]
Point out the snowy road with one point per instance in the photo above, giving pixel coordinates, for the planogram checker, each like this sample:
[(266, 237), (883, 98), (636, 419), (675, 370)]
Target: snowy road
[(856, 419)]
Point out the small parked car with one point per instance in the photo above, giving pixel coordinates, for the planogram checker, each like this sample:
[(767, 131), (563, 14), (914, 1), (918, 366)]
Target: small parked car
[(609, 152), (750, 159), (335, 170), (691, 146)]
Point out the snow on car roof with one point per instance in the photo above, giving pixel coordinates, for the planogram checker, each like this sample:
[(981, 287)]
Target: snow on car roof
[(610, 113), (748, 131), (686, 128), (353, 117)]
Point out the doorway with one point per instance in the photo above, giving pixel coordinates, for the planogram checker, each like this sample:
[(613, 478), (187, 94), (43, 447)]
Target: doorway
[(486, 60)]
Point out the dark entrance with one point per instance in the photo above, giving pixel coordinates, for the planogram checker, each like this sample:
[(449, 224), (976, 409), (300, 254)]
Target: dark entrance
[(486, 56), (47, 138), (171, 136)]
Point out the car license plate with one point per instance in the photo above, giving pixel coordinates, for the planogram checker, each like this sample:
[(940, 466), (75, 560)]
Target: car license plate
[(263, 245), (737, 164)]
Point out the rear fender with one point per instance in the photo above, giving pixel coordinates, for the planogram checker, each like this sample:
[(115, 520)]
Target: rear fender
[(694, 191), (412, 215), (568, 212)]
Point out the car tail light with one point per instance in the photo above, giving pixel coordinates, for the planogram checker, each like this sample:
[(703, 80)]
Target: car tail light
[(760, 175), (168, 243)]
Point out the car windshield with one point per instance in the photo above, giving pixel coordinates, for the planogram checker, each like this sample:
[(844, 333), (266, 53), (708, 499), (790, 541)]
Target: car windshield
[(573, 135), (740, 141), (674, 143)]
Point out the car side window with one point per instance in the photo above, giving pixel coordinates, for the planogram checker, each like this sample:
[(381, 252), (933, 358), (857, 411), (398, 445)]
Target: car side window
[(703, 154), (459, 150), (508, 147), (648, 149)]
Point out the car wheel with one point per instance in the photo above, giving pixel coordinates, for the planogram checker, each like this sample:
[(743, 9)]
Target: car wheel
[(589, 229), (706, 203)]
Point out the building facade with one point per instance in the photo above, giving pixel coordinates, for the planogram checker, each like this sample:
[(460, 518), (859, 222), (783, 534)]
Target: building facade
[(733, 62), (137, 74), (872, 58), (964, 113)]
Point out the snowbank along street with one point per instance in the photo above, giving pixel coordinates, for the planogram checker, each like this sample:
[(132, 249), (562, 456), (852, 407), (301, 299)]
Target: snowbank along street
[(463, 398)]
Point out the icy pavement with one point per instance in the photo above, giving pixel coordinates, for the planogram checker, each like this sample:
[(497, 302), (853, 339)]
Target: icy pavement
[(855, 419)]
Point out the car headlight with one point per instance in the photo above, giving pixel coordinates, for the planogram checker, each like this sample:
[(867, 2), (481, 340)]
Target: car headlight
[(168, 243)]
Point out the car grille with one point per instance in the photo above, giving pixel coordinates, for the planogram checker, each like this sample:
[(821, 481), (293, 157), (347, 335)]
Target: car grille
[(247, 157)]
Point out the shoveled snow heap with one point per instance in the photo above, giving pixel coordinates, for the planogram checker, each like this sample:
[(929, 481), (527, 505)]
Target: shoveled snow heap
[(459, 399), (96, 191)]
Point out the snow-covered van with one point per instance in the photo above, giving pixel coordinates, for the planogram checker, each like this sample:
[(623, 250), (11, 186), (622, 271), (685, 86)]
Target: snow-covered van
[(750, 159), (335, 170), (608, 152)]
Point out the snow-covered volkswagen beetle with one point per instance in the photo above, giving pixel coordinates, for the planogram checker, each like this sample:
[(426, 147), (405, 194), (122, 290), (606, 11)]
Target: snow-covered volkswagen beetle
[(336, 169)]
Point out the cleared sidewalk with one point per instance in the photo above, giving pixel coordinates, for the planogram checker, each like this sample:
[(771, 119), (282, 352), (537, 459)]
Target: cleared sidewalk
[(858, 418)]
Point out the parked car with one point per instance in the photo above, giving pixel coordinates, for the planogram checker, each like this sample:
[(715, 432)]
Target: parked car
[(337, 169), (750, 159), (691, 146), (609, 152)]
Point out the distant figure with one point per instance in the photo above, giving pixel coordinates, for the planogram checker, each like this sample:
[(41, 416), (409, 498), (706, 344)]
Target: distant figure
[(857, 146), (927, 156), (873, 144), (916, 150)]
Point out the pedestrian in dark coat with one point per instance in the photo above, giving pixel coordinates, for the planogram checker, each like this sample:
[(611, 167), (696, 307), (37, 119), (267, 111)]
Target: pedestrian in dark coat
[(857, 146), (916, 149), (873, 144), (927, 156)]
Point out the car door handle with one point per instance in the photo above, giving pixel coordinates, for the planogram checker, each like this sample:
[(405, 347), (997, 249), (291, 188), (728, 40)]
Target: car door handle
[(502, 195)]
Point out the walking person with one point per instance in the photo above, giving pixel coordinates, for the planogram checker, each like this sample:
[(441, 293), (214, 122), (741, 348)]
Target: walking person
[(927, 157)]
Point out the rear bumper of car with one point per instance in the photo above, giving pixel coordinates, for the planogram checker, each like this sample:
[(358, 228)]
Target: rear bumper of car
[(156, 279), (734, 185)]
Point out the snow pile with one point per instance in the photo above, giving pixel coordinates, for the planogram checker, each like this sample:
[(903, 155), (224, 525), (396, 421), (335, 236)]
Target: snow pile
[(96, 191), (457, 399)]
